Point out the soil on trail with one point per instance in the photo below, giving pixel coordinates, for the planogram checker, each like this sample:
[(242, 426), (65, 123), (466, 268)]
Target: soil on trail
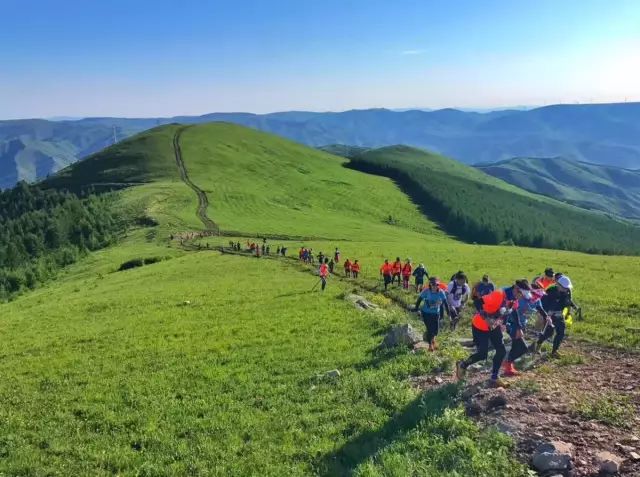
[(203, 201), (593, 405)]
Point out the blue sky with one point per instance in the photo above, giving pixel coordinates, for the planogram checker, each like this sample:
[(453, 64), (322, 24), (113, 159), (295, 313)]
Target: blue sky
[(163, 58)]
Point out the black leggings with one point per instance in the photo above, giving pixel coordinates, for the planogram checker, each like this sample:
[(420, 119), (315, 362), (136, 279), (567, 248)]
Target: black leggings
[(518, 348), (431, 321), (558, 327), (482, 339)]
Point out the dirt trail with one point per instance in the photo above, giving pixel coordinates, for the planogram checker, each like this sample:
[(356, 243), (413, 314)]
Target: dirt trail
[(203, 201), (546, 403)]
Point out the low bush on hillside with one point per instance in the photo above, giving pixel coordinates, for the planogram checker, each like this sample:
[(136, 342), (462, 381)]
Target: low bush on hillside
[(138, 262)]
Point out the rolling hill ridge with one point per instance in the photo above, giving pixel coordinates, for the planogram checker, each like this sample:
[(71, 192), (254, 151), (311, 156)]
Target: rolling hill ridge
[(597, 133), (590, 186)]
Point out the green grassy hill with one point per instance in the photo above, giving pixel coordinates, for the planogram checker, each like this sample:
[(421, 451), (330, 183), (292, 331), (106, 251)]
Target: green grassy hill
[(591, 186), (207, 363), (480, 208)]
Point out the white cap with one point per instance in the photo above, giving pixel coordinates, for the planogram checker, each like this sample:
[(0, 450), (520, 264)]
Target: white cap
[(565, 282)]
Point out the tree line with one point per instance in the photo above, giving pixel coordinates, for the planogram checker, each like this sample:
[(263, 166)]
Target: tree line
[(483, 213), (43, 230)]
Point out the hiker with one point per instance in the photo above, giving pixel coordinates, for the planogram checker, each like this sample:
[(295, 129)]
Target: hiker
[(268, 249), (283, 251), (386, 270), (557, 298), (321, 257), (432, 299), (516, 322), (347, 268), (301, 253), (486, 327), (355, 269), (419, 273), (406, 273), (332, 264), (336, 255), (263, 248), (257, 252), (546, 280), (323, 271), (397, 270), (458, 293), (310, 256), (480, 289), (278, 250)]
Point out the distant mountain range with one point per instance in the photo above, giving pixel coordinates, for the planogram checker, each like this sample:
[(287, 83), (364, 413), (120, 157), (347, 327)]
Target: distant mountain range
[(606, 188), (607, 134)]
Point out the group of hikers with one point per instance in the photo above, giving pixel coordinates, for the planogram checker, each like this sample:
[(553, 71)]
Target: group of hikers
[(258, 249), (327, 265), (496, 310), (499, 310)]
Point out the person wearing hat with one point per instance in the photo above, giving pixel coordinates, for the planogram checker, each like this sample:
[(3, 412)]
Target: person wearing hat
[(419, 274), (546, 280), (432, 299), (557, 298), (480, 289), (487, 327)]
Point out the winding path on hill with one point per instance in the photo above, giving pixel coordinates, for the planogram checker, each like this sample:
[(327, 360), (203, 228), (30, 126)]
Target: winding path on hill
[(203, 201)]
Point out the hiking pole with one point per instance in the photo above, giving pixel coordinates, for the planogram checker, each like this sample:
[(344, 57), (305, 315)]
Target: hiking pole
[(317, 283)]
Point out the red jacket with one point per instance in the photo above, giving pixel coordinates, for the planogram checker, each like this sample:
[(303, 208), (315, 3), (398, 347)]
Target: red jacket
[(355, 267), (397, 267), (406, 270), (386, 269), (324, 270), (347, 265)]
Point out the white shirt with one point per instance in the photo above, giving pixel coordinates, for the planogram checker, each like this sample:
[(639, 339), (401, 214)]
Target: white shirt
[(462, 292)]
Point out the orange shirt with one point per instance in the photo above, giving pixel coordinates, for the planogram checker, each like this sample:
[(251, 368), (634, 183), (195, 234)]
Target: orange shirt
[(347, 265), (406, 270), (355, 267), (386, 269), (397, 266), (545, 282)]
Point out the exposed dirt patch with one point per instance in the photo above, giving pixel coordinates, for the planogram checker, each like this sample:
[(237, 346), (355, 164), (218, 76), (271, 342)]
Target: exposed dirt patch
[(590, 399)]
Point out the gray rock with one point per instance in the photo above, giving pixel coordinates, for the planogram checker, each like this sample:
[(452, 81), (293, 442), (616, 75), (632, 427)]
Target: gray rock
[(361, 303), (401, 335), (334, 373), (609, 463), (552, 456)]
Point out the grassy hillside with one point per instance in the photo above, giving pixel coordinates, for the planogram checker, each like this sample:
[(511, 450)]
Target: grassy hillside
[(609, 189), (214, 364), (480, 208)]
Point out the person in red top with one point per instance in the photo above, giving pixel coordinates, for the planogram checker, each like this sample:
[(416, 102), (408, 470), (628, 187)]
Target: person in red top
[(386, 270), (347, 268), (397, 270), (406, 273), (488, 325), (355, 269), (323, 271), (546, 280)]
